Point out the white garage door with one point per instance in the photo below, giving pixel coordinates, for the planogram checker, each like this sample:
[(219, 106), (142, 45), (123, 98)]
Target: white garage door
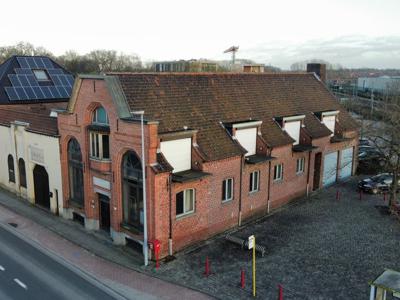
[(346, 163), (330, 168)]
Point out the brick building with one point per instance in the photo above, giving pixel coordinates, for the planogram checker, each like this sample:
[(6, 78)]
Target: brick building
[(219, 148)]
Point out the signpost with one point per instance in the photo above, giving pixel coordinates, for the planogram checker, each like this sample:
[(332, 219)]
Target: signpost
[(252, 245)]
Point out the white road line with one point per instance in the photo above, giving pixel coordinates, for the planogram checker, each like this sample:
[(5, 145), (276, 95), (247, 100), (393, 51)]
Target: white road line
[(20, 283), (2, 268)]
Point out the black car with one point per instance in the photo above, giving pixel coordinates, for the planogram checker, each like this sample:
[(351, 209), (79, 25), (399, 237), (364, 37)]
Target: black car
[(376, 184)]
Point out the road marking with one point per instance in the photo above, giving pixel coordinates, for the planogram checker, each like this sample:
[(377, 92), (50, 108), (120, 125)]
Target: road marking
[(2, 268), (20, 283)]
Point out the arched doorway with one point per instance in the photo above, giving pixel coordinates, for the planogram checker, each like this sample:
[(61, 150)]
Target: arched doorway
[(41, 184), (132, 191)]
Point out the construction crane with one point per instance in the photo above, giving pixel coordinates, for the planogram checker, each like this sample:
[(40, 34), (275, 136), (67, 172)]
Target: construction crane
[(232, 49)]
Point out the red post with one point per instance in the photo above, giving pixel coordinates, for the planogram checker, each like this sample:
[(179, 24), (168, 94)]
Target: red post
[(384, 197), (242, 282), (280, 297), (207, 267)]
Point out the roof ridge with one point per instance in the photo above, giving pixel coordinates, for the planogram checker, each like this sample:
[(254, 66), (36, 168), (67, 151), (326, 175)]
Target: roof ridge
[(208, 73)]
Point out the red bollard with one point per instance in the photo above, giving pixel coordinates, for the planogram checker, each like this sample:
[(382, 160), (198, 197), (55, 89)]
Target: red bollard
[(207, 267), (242, 282), (280, 297)]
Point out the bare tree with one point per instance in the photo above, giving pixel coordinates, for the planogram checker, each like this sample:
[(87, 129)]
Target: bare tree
[(22, 48), (385, 136)]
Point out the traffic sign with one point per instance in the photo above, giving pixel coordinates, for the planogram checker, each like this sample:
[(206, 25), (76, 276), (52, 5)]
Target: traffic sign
[(251, 242)]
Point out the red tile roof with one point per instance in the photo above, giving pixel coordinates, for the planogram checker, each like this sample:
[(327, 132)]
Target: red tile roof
[(203, 100), (38, 123)]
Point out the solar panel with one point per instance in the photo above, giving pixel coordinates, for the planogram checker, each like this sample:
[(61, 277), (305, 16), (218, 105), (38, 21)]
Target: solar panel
[(12, 95), (23, 71), (14, 80), (25, 85), (23, 63), (47, 62)]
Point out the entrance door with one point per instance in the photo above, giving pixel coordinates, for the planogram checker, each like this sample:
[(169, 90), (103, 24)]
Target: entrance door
[(317, 170), (330, 168), (41, 184), (104, 206)]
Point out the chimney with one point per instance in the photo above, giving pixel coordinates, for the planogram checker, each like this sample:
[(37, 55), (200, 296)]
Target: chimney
[(319, 69)]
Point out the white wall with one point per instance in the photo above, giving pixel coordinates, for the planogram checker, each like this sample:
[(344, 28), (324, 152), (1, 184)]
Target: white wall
[(34, 149), (178, 153), (329, 122), (247, 139), (293, 129)]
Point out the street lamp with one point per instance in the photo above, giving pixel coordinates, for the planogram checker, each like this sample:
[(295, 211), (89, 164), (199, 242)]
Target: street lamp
[(145, 245)]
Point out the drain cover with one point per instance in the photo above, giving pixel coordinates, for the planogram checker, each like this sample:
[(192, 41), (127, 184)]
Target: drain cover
[(13, 224)]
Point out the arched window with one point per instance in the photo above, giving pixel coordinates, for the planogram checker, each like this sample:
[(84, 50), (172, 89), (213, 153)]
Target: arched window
[(11, 171), (132, 191), (22, 172), (99, 135), (75, 169), (100, 116)]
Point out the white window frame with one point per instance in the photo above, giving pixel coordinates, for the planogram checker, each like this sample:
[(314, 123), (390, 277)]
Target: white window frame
[(255, 186), (97, 152), (185, 212), (227, 182), (278, 172), (300, 165)]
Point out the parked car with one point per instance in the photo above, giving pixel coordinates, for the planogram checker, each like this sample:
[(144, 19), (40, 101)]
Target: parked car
[(376, 184), (369, 153), (364, 142)]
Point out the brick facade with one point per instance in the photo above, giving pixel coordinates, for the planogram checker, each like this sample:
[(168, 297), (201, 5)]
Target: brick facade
[(211, 215)]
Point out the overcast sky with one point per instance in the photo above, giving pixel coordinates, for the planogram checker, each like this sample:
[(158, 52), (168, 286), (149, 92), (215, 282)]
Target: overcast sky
[(353, 33)]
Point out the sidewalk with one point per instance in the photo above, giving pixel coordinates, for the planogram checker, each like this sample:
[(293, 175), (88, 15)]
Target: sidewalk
[(91, 252)]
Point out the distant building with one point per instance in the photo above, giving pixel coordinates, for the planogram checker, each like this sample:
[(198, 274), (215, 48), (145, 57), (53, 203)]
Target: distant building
[(377, 84), (253, 68), (186, 66)]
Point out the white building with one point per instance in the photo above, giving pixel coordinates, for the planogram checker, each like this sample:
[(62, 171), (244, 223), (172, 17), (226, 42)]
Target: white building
[(30, 158), (377, 84)]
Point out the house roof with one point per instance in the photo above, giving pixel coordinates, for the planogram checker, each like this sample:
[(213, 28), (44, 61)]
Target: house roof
[(19, 85), (38, 123), (206, 101)]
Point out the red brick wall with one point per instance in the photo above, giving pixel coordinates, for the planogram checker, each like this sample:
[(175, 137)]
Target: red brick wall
[(211, 215)]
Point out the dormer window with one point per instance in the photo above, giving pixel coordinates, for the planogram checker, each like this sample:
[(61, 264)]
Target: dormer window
[(246, 134), (178, 153), (329, 120), (292, 127)]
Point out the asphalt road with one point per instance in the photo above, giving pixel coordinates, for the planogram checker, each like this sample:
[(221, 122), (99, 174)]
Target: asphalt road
[(28, 273)]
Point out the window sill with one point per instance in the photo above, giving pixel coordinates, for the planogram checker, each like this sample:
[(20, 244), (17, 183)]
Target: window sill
[(253, 192), (300, 173), (131, 228), (227, 201), (185, 215), (278, 181), (102, 160)]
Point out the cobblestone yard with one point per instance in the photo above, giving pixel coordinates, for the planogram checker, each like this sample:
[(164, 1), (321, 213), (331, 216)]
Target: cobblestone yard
[(318, 248)]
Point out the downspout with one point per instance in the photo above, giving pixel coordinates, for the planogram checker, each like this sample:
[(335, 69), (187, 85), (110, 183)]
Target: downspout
[(269, 186), (240, 190), (170, 215), (308, 173), (16, 165)]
